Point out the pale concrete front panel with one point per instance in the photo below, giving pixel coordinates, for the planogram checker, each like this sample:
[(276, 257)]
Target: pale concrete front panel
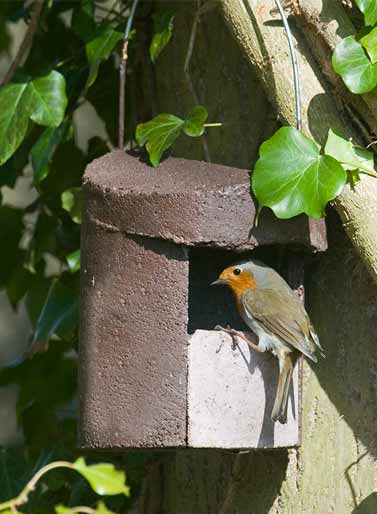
[(231, 394)]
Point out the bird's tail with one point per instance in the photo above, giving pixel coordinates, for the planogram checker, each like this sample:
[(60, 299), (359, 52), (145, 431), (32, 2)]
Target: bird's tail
[(286, 365)]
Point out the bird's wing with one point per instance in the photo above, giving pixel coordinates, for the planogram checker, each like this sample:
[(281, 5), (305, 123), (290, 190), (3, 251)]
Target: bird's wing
[(282, 314)]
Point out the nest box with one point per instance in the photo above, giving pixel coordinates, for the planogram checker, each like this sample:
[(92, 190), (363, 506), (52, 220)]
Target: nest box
[(153, 372)]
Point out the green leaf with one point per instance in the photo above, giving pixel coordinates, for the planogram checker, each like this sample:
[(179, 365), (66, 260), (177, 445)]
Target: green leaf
[(73, 261), (351, 157), (48, 99), (369, 9), (61, 509), (43, 100), (159, 134), (163, 30), (71, 202), (291, 177), (99, 49), (103, 478), (14, 118), (59, 314), (352, 64), (44, 149), (369, 42), (83, 23), (102, 509), (194, 124)]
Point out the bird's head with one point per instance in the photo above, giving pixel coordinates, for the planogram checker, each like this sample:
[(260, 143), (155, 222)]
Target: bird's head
[(238, 277)]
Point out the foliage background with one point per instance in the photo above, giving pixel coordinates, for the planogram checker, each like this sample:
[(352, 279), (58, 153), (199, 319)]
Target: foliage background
[(335, 469)]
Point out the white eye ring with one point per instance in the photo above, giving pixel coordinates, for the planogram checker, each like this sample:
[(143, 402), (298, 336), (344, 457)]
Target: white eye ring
[(237, 271)]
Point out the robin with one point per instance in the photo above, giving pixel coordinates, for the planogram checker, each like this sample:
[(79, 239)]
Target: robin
[(277, 316)]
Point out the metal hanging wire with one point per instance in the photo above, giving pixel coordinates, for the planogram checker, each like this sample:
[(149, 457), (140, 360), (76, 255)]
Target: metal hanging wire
[(122, 75), (296, 76)]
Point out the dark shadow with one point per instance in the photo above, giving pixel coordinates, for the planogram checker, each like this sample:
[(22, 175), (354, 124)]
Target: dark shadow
[(367, 506), (334, 11)]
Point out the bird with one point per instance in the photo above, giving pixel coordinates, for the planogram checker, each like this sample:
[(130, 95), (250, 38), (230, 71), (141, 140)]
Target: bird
[(274, 312)]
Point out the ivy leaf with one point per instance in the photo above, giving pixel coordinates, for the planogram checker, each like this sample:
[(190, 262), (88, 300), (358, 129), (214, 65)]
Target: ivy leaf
[(14, 118), (163, 30), (160, 133), (44, 149), (369, 9), (83, 23), (59, 314), (61, 509), (103, 478), (48, 99), (73, 261), (291, 177), (351, 157), (71, 202), (99, 49), (102, 509), (42, 99), (352, 64), (369, 42), (194, 124)]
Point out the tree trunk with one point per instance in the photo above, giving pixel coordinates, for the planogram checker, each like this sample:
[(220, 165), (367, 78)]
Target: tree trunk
[(264, 45), (335, 468)]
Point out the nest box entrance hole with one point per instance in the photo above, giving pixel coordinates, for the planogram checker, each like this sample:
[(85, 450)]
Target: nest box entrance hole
[(211, 306)]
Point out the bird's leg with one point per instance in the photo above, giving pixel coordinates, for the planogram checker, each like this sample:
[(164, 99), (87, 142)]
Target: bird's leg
[(234, 333)]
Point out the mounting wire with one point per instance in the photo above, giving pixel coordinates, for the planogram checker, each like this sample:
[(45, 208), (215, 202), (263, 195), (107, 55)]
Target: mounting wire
[(122, 75), (296, 77)]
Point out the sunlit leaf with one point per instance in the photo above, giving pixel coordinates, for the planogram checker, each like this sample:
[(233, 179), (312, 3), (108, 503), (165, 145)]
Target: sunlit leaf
[(73, 261), (71, 202), (103, 478), (194, 124), (160, 133), (59, 313), (99, 49), (48, 99), (14, 118), (292, 177), (163, 30), (102, 509), (352, 64), (369, 9), (43, 100), (61, 509), (369, 42), (352, 157)]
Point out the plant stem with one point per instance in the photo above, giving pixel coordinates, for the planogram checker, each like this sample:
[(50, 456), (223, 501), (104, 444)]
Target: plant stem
[(30, 486), (213, 124), (26, 42), (122, 75)]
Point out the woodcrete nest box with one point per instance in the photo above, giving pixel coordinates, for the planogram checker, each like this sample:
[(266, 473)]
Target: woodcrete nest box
[(153, 372)]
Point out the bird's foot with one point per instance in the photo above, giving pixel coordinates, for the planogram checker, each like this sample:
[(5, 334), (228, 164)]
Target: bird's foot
[(234, 334)]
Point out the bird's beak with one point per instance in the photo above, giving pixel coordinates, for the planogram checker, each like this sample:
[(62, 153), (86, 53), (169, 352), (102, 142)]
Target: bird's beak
[(218, 282)]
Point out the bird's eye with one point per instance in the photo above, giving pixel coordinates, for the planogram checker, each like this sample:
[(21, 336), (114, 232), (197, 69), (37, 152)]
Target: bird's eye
[(237, 271)]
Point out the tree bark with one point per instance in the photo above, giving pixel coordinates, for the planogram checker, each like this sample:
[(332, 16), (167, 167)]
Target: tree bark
[(335, 468), (264, 44)]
